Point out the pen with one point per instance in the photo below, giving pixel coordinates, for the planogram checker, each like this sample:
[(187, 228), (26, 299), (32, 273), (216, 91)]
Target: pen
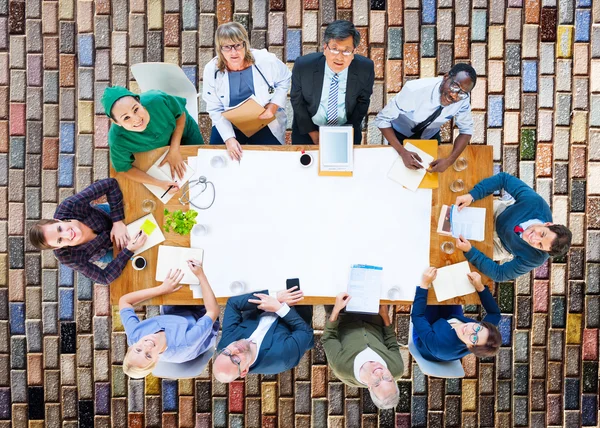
[(137, 236), (167, 191)]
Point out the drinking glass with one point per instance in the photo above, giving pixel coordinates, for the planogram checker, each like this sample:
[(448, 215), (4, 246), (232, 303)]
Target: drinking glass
[(218, 161), (200, 230), (394, 293), (237, 287), (447, 247), (457, 185), (148, 205), (460, 164)]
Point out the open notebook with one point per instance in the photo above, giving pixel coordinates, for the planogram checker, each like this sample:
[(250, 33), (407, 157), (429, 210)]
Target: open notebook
[(176, 258), (163, 173), (365, 288), (452, 281), (150, 226), (410, 178)]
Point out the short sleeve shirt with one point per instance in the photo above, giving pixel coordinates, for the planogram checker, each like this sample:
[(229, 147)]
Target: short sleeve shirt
[(164, 110)]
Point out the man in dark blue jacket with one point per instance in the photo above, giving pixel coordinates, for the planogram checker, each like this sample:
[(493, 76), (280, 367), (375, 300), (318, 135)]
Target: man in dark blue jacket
[(263, 334), (524, 227)]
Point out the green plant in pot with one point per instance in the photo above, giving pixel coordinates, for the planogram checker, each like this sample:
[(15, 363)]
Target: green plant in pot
[(180, 222)]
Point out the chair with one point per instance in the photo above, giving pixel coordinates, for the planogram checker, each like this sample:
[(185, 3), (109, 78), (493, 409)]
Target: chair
[(168, 78), (187, 370), (445, 369)]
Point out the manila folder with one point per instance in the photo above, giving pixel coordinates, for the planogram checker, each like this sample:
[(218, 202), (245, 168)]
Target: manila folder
[(245, 117)]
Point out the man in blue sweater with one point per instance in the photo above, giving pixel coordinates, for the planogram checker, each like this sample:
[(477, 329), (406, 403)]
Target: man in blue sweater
[(524, 229)]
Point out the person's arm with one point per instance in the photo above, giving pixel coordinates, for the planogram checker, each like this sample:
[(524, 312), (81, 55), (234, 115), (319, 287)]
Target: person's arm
[(487, 300), (233, 311), (517, 188), (300, 107), (389, 334), (364, 95), (174, 157), (139, 176), (208, 295), (282, 79), (330, 340), (214, 105), (496, 272), (441, 165), (170, 285), (108, 187), (302, 337), (420, 324)]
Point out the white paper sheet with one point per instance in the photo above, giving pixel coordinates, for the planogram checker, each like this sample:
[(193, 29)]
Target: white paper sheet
[(171, 258), (410, 178), (468, 222), (452, 281), (274, 219), (364, 286), (153, 239), (164, 173)]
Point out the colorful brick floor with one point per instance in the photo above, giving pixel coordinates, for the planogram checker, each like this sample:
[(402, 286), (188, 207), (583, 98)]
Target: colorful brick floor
[(537, 102)]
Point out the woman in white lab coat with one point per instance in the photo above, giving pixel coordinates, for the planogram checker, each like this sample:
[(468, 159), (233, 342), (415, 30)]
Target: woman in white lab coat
[(235, 74)]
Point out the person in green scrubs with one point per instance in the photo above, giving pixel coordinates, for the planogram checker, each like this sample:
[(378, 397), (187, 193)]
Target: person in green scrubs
[(145, 122)]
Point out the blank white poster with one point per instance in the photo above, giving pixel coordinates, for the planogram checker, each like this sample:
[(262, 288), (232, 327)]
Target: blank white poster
[(274, 219)]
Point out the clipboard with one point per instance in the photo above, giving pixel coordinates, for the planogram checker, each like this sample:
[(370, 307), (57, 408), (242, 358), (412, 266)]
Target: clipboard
[(245, 116), (430, 181)]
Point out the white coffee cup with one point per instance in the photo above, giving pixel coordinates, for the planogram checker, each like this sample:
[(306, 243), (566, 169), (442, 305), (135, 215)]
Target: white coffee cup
[(139, 263)]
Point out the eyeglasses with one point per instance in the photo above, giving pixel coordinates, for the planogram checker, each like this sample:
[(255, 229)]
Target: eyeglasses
[(474, 337), (455, 88), (384, 378), (234, 359), (237, 47), (337, 52)]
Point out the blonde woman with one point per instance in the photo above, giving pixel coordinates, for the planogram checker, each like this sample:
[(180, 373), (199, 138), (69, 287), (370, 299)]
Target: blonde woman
[(235, 74), (180, 335)]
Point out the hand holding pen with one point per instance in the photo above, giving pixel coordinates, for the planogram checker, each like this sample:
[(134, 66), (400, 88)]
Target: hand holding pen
[(196, 267), (137, 242)]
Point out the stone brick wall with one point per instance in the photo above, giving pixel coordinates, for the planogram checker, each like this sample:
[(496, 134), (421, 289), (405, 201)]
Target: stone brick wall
[(537, 102)]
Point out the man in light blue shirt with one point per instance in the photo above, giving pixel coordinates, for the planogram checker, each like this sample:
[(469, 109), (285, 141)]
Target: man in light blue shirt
[(423, 106)]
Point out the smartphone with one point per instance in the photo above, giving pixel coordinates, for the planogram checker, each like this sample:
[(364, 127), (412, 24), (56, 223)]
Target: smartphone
[(292, 282)]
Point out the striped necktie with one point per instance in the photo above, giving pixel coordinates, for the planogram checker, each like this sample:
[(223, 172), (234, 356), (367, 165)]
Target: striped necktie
[(332, 103)]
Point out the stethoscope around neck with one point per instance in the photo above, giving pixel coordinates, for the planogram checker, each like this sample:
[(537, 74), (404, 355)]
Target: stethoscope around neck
[(271, 87)]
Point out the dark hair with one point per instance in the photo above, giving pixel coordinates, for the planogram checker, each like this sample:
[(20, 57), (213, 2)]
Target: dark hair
[(340, 30), (36, 234), (562, 242), (492, 346), (461, 66)]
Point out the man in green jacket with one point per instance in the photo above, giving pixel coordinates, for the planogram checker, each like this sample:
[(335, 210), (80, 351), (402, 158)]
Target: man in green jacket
[(362, 351)]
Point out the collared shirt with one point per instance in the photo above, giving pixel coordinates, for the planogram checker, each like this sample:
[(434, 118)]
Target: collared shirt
[(528, 223), (365, 356), (320, 118), (266, 320), (417, 100), (188, 334), (78, 207)]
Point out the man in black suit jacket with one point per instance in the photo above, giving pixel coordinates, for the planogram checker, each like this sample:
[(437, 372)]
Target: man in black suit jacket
[(315, 75)]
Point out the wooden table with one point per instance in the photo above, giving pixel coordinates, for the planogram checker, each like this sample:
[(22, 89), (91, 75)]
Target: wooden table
[(480, 166)]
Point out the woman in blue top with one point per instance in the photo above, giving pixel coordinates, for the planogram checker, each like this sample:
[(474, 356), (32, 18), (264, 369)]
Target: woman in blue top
[(234, 75), (443, 333), (181, 334)]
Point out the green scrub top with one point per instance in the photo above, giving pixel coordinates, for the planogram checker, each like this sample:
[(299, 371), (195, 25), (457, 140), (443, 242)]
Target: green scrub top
[(164, 110)]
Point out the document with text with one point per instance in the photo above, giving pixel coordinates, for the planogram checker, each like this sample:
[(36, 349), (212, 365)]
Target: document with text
[(365, 288)]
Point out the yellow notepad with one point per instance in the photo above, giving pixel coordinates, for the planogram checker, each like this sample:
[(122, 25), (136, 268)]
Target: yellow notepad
[(148, 227), (430, 181)]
